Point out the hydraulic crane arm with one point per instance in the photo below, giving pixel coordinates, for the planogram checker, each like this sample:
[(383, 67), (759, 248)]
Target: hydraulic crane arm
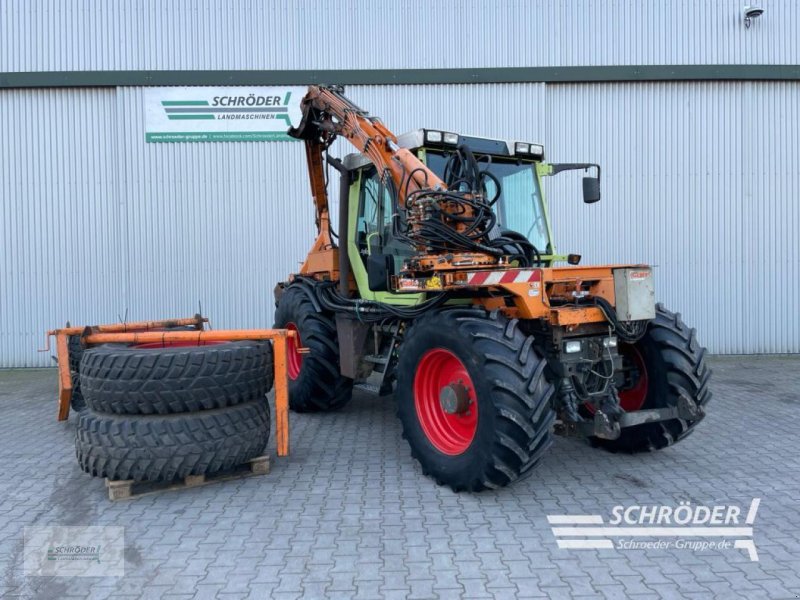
[(327, 113), (448, 223)]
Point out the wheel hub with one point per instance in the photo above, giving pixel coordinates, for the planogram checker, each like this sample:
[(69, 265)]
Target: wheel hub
[(445, 401), (454, 398)]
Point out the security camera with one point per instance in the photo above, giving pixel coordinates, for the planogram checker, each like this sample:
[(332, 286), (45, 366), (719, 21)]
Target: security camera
[(750, 13)]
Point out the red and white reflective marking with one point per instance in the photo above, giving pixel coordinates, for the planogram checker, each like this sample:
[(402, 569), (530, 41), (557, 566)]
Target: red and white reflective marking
[(500, 277)]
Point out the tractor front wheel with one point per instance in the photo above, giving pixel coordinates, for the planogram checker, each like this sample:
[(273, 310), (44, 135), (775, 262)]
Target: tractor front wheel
[(473, 399)]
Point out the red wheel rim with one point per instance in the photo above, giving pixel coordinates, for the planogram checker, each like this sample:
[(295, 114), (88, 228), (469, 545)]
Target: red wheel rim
[(632, 397), (449, 433), (294, 360), (181, 344)]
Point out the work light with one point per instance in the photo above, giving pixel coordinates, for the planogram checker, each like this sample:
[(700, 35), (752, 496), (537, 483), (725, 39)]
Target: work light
[(433, 136)]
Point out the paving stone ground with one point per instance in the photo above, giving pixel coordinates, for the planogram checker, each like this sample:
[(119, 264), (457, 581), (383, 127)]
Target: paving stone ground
[(350, 515)]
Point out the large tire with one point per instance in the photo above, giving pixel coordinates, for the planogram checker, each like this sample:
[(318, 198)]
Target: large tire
[(163, 448), (315, 382), (675, 365), (513, 424), (127, 380), (76, 350)]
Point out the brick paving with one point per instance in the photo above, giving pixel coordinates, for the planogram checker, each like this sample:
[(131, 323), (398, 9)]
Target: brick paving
[(350, 515)]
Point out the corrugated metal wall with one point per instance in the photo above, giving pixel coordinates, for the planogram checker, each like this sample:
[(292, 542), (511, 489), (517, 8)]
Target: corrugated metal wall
[(52, 35), (60, 237), (216, 223), (698, 179)]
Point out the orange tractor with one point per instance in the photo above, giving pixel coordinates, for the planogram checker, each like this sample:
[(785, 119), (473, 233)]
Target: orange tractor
[(443, 287)]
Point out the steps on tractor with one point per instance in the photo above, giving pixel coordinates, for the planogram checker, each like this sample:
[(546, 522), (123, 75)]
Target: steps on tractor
[(380, 380), (378, 361), (375, 384), (127, 488), (370, 388)]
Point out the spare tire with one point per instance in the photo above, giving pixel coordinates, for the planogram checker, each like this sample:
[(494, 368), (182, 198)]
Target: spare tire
[(164, 448), (174, 378), (76, 349)]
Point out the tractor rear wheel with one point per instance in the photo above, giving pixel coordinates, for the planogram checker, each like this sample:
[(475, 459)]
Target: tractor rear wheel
[(315, 382), (473, 398), (663, 365)]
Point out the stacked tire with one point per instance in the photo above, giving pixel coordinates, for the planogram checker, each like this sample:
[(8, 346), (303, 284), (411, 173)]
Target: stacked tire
[(158, 412)]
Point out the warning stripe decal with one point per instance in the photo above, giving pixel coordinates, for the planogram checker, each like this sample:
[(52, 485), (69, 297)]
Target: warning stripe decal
[(500, 277), (478, 278)]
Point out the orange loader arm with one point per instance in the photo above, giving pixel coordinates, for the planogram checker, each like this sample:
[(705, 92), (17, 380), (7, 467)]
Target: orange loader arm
[(327, 113)]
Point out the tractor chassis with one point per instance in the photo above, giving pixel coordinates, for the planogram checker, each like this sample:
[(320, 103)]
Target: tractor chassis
[(373, 349)]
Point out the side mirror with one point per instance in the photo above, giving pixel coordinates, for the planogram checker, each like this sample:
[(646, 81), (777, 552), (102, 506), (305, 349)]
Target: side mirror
[(591, 190), (591, 185)]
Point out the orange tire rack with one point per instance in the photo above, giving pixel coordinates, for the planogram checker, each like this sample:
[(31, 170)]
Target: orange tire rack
[(148, 332)]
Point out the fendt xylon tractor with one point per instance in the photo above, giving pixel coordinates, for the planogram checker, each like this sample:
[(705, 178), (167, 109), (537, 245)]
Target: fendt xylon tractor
[(443, 287)]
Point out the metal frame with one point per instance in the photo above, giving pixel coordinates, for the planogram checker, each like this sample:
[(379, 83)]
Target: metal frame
[(575, 74), (144, 332)]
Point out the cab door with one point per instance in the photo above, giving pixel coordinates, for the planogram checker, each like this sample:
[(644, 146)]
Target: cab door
[(370, 240)]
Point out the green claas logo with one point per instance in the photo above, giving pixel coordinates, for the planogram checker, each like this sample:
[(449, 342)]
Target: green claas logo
[(230, 108)]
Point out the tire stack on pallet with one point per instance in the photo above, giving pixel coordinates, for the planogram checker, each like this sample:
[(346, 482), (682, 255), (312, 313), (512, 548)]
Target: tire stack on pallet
[(163, 412)]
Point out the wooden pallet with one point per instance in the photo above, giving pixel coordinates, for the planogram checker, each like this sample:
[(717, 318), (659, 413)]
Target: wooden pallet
[(124, 489)]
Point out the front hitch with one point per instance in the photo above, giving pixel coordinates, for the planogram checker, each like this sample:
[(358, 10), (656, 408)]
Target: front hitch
[(609, 428)]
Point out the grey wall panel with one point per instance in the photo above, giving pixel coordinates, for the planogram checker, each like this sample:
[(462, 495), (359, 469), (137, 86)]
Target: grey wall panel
[(771, 230), (218, 223), (60, 251), (659, 199), (53, 35), (697, 180)]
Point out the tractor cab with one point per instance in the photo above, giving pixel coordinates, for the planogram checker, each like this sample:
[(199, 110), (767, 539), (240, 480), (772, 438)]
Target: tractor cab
[(520, 207)]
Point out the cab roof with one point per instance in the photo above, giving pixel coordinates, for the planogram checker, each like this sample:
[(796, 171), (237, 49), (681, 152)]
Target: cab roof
[(416, 139)]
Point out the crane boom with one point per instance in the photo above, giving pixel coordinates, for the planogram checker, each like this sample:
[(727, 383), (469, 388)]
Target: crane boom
[(446, 222), (327, 113)]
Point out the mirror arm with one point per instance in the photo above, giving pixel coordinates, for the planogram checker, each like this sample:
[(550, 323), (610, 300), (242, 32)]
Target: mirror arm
[(558, 167)]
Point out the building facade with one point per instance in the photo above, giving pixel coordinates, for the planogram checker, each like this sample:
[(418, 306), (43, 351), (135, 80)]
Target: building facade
[(694, 117)]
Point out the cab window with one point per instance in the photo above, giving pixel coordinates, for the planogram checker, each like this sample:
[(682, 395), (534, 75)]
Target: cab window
[(374, 212)]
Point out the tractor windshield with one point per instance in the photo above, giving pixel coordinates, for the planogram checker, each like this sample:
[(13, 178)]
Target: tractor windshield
[(520, 207)]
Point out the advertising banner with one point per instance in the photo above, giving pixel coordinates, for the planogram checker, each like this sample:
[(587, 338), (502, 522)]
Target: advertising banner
[(221, 114)]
